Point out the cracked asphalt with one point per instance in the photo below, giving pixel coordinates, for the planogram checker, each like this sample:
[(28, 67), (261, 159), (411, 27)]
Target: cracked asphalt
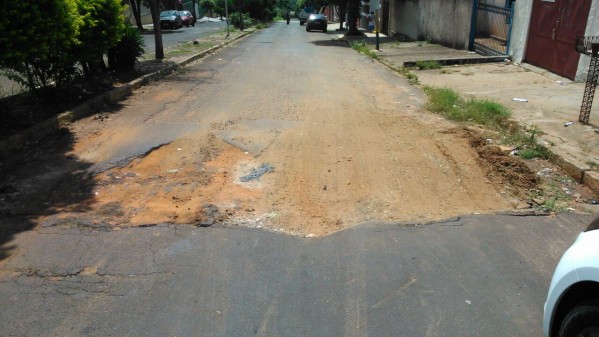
[(468, 276), (97, 234)]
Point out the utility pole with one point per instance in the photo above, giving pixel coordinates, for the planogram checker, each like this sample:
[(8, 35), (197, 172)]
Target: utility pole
[(227, 17)]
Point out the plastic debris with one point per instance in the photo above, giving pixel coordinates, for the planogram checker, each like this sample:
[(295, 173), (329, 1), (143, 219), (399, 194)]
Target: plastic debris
[(566, 124), (514, 152), (566, 190), (546, 172), (257, 173), (520, 99), (489, 141), (560, 82)]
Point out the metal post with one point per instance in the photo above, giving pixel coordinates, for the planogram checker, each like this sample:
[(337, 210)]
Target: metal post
[(473, 24), (591, 85)]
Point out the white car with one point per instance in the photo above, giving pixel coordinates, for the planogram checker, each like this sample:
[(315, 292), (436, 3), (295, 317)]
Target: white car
[(572, 306)]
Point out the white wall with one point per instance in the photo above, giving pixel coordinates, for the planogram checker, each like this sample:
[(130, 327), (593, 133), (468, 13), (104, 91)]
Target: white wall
[(522, 15), (592, 30)]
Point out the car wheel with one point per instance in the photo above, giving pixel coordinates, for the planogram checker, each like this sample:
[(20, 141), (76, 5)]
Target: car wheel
[(307, 29), (581, 321), (324, 30), (301, 23), (193, 24)]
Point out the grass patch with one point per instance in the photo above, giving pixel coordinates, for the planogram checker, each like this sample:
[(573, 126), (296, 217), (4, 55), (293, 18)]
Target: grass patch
[(412, 78), (362, 47), (425, 65), (260, 25), (489, 114), (188, 48)]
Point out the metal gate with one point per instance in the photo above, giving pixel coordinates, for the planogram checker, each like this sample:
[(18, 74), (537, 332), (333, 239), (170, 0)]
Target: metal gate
[(554, 25), (491, 26)]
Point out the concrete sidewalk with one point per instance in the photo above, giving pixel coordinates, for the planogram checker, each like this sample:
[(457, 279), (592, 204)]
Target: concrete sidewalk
[(551, 100)]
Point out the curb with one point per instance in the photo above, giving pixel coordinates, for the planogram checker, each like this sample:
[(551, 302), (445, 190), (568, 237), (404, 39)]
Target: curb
[(91, 106)]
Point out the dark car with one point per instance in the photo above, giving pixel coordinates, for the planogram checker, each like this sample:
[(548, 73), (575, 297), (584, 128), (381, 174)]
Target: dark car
[(187, 18), (170, 19), (316, 21)]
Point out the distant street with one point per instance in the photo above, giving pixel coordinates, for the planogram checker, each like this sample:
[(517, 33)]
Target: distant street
[(171, 37)]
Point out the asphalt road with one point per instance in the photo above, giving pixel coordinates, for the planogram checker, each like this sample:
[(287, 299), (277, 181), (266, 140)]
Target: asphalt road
[(171, 37), (466, 276), (472, 276)]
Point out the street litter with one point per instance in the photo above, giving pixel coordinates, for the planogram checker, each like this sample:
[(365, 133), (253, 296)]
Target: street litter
[(514, 152), (173, 171), (489, 141), (546, 172), (507, 148), (560, 82), (257, 173), (520, 99), (566, 190), (566, 124)]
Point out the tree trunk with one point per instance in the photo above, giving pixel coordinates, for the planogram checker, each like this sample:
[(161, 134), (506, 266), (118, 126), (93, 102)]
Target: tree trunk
[(341, 12), (135, 8), (155, 10), (353, 14)]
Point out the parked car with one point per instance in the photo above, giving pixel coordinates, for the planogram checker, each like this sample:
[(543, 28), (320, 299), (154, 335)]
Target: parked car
[(170, 19), (572, 306), (317, 21), (304, 15), (187, 18)]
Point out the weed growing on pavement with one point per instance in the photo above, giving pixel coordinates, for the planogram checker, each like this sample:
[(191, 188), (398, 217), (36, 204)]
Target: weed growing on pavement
[(187, 48), (412, 78), (489, 114), (260, 25), (362, 47), (425, 65)]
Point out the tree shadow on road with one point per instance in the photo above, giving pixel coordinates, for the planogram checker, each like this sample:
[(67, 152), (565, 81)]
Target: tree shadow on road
[(331, 43), (41, 180)]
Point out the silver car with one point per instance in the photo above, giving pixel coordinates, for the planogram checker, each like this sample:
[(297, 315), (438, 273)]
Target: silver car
[(572, 306)]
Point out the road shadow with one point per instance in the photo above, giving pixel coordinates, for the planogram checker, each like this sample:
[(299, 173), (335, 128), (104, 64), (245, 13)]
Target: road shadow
[(163, 31), (331, 43), (43, 184)]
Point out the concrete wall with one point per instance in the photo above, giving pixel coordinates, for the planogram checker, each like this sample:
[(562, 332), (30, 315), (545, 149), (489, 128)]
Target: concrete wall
[(592, 30), (446, 22)]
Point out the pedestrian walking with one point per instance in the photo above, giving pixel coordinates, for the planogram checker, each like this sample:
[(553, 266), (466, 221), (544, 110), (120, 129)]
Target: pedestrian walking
[(371, 22)]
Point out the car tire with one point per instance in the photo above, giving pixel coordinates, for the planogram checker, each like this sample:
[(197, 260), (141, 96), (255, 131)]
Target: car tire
[(324, 30), (582, 320), (307, 29), (301, 23), (193, 24)]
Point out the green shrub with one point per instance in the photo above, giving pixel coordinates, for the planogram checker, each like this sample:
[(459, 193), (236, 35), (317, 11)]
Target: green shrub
[(236, 21), (36, 37), (123, 56), (103, 25)]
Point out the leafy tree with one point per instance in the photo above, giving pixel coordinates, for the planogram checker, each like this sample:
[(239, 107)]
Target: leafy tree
[(208, 5), (102, 28), (36, 37)]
